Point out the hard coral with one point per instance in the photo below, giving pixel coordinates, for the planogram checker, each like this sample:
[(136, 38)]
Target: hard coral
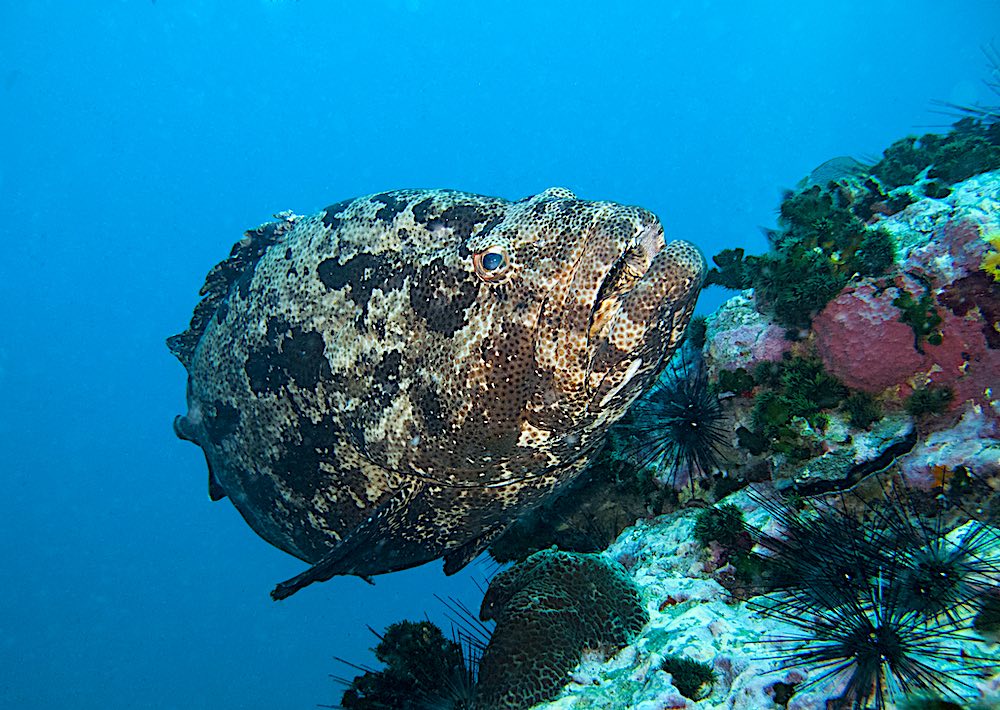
[(548, 611), (901, 163), (976, 291), (991, 264), (744, 343), (862, 340), (922, 316), (730, 270), (973, 442), (821, 245), (929, 400), (690, 677), (798, 388), (862, 410), (723, 524), (950, 251), (796, 286), (991, 261)]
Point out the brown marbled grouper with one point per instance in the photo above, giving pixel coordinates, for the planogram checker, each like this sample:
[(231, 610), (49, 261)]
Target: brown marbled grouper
[(398, 377)]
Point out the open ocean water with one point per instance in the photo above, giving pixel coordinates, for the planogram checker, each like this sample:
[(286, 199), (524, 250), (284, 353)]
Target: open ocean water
[(139, 139)]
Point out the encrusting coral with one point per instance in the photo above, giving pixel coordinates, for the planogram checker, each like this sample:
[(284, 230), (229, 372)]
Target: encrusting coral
[(991, 261)]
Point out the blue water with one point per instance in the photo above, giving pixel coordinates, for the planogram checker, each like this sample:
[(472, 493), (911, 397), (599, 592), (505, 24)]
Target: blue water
[(138, 139)]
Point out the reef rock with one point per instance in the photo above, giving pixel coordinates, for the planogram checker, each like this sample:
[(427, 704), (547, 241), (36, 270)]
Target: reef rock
[(739, 335), (973, 444), (693, 615), (935, 319)]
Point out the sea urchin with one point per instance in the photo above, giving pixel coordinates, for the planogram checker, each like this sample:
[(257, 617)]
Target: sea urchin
[(679, 425), (877, 595)]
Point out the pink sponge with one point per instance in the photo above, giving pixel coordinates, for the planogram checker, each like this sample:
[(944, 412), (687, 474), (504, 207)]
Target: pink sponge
[(862, 341)]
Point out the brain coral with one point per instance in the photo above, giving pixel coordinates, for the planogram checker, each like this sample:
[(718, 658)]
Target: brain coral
[(549, 610)]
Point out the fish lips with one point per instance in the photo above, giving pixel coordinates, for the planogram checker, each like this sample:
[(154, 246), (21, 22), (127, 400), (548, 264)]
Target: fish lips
[(639, 316)]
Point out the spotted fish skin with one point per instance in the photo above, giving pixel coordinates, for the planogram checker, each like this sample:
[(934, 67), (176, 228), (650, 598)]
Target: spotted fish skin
[(372, 391)]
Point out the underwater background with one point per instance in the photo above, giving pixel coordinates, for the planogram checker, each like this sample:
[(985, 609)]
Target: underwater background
[(139, 139)]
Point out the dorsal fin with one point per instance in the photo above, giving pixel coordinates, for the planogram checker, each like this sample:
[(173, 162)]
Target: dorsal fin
[(242, 259)]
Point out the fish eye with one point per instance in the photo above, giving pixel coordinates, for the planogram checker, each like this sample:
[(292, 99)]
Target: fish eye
[(493, 260), (491, 263)]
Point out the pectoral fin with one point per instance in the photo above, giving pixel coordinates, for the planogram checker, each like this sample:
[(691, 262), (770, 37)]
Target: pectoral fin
[(379, 539), (461, 556)]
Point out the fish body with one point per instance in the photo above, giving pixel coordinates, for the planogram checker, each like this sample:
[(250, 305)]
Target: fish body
[(834, 170), (396, 378)]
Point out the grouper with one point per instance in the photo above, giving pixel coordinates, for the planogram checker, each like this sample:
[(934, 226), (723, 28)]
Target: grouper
[(399, 376)]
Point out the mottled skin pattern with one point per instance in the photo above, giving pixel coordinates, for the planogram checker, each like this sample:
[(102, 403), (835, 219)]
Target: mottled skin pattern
[(549, 610), (373, 392)]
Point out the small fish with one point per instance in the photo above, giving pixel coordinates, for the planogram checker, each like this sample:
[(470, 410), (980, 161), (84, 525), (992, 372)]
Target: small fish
[(834, 170), (398, 377)]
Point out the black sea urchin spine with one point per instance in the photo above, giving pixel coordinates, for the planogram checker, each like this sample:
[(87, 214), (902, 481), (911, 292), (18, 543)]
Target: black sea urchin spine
[(877, 596), (875, 650), (680, 424)]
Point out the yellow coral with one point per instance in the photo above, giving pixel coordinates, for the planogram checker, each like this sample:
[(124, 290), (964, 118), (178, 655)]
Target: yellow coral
[(991, 262)]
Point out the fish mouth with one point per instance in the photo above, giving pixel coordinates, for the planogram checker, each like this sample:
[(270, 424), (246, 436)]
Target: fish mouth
[(640, 314), (626, 271)]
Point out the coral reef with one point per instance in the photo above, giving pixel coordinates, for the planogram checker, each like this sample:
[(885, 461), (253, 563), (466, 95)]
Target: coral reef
[(821, 244), (549, 610), (972, 293), (804, 511), (832, 232), (827, 407), (864, 313), (970, 148), (972, 443), (688, 676), (760, 656), (589, 514), (723, 524), (922, 316), (863, 348), (991, 261), (880, 592), (929, 400), (862, 410), (739, 336)]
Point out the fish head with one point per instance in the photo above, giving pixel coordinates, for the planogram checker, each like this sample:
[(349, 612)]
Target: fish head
[(594, 300)]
